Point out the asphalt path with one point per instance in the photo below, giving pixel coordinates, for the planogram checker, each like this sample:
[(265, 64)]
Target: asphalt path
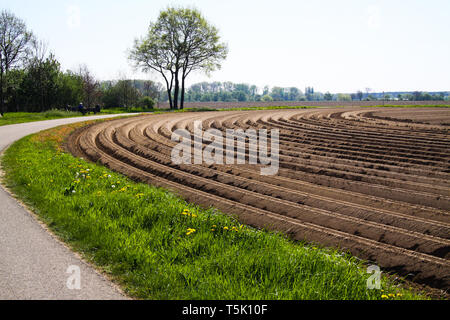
[(33, 263)]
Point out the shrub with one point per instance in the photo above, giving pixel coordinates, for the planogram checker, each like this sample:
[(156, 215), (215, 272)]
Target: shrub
[(146, 103)]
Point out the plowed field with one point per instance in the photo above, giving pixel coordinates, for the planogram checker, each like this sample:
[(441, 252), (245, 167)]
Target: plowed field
[(374, 182)]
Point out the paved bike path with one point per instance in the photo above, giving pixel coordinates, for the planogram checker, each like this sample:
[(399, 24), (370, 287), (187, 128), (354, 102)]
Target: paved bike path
[(33, 263)]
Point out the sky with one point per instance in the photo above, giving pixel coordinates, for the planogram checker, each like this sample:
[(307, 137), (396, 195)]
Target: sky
[(335, 46)]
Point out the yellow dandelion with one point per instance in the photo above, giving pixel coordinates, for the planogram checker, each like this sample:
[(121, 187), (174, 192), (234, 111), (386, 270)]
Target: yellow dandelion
[(399, 294), (383, 296), (190, 231), (225, 228)]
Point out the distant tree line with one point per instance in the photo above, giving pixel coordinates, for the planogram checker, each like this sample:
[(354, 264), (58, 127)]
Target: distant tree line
[(233, 92)]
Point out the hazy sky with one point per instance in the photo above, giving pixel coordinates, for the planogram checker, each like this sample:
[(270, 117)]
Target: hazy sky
[(336, 46)]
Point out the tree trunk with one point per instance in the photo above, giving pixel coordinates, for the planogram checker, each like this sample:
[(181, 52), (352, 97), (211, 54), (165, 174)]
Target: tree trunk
[(1, 93), (177, 89), (169, 89), (182, 93), (169, 94)]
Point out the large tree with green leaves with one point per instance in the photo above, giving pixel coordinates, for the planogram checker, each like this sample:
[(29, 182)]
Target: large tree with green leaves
[(179, 42), (14, 42)]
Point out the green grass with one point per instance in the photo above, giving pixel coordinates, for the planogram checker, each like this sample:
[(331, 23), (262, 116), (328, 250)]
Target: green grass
[(144, 236), (126, 110), (22, 117)]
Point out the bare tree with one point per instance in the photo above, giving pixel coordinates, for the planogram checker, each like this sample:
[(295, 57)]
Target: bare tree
[(368, 90), (91, 87), (14, 45), (359, 95), (35, 62), (152, 89)]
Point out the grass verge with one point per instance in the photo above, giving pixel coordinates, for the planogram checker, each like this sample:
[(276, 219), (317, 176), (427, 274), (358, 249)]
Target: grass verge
[(22, 117), (157, 246)]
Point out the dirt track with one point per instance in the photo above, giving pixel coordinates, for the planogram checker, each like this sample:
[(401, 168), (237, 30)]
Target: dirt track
[(371, 181)]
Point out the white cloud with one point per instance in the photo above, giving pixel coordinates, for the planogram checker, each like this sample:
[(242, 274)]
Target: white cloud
[(374, 17), (73, 17)]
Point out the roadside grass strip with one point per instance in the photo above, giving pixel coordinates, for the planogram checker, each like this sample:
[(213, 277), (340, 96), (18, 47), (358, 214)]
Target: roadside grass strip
[(23, 117), (157, 246)]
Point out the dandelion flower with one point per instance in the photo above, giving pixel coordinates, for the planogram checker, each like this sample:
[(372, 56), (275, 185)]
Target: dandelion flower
[(383, 296), (190, 231), (225, 228)]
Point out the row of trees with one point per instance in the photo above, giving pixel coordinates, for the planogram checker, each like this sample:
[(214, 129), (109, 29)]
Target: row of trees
[(231, 92), (31, 78), (127, 93)]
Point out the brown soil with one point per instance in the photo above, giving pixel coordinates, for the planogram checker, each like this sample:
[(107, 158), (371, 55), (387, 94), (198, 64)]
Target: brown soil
[(374, 186)]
